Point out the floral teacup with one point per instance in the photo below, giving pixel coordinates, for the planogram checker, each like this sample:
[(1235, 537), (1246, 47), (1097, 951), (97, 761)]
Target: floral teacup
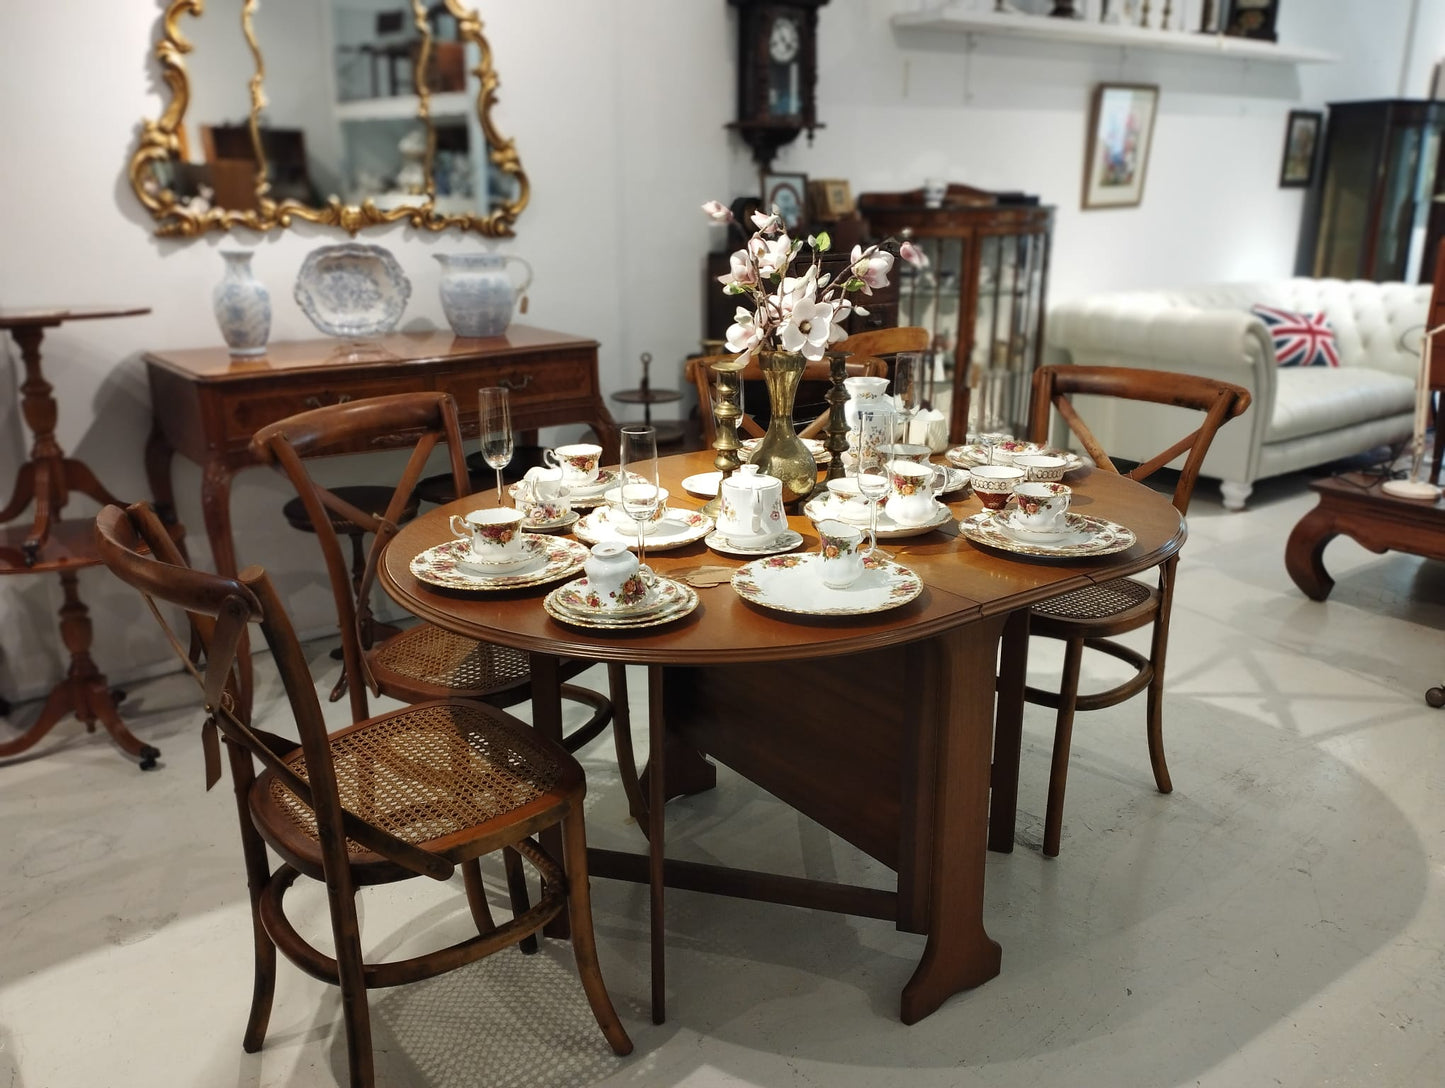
[(578, 462), (496, 535), (1041, 507), (841, 551), (624, 522)]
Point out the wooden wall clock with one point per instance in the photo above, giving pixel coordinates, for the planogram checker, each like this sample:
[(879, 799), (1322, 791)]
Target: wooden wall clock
[(777, 73)]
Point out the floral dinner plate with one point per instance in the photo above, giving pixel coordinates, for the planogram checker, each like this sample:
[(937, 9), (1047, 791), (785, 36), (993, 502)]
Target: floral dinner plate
[(888, 529), (785, 541), (1087, 536), (441, 566), (677, 527), (1004, 452), (675, 601), (794, 583), (815, 447)]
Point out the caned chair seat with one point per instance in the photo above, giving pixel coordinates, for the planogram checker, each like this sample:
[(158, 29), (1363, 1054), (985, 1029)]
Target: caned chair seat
[(425, 656), (435, 775), (367, 497), (1122, 600)]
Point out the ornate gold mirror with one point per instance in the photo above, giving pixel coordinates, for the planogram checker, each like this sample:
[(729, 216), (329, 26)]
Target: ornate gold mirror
[(349, 113)]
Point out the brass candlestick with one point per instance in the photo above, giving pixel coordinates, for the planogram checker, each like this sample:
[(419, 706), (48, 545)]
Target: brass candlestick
[(835, 435), (727, 411)]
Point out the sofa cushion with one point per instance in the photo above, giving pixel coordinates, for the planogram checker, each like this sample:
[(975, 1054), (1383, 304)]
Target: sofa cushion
[(1299, 339), (1312, 400)]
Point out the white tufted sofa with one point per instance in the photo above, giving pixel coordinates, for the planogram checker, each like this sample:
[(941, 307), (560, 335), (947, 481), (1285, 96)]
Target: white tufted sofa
[(1300, 416)]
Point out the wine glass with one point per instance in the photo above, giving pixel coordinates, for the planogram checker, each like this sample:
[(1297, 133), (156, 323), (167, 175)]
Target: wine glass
[(908, 389), (639, 496), (870, 464), (495, 426)]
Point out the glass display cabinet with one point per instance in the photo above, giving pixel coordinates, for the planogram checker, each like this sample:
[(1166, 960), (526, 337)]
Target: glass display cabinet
[(1377, 215), (982, 297)]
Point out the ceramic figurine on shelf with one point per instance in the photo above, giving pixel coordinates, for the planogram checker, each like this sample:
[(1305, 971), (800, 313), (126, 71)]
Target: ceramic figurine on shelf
[(242, 305)]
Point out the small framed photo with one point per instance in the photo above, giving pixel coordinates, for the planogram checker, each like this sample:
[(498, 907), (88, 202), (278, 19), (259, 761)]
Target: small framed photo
[(1121, 129), (789, 194), (832, 199), (1301, 143)]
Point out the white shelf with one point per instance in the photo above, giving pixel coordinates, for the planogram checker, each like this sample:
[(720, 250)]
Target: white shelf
[(454, 105), (1080, 32)]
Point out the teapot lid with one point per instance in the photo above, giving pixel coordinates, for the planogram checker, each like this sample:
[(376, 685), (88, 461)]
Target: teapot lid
[(751, 476)]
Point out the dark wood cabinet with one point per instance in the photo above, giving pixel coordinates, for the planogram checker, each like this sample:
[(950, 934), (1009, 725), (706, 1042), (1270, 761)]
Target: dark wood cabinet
[(1378, 216), (982, 296)]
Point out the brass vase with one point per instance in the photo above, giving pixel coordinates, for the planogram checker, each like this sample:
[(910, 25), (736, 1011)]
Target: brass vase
[(781, 453)]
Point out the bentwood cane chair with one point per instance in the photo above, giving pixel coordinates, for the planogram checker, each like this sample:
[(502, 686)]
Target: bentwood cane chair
[(420, 791), (1092, 617)]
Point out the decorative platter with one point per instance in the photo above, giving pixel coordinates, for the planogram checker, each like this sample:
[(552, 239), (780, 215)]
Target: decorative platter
[(1087, 536), (976, 454), (888, 529), (352, 290), (785, 541), (677, 527), (815, 447), (794, 583), (704, 484), (444, 566), (567, 604)]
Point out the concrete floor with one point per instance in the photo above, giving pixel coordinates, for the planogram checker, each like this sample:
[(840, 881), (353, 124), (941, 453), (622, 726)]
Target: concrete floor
[(1278, 920)]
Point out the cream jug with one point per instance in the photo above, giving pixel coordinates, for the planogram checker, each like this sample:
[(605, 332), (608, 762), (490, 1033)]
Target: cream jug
[(752, 507)]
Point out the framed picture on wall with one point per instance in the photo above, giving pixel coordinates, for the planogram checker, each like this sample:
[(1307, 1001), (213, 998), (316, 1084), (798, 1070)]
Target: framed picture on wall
[(1301, 141), (1121, 129), (831, 199), (789, 194)]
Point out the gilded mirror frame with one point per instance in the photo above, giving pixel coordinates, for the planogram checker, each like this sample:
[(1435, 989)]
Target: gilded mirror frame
[(161, 142)]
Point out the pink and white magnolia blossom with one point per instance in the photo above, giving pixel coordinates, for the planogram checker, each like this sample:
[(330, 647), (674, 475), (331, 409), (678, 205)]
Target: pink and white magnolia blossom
[(913, 255), (808, 329), (771, 255), (718, 212), (871, 266), (741, 271), (841, 309), (745, 335)]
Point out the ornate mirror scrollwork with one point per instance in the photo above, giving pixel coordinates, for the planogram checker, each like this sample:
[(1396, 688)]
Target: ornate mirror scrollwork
[(349, 113)]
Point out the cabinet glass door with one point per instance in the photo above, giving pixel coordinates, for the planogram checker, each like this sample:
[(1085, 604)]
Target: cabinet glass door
[(1005, 331)]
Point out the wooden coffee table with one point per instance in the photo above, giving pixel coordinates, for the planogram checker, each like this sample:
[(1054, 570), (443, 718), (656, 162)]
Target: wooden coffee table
[(1355, 505)]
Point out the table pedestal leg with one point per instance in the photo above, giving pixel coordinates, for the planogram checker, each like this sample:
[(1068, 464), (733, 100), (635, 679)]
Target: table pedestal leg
[(84, 691)]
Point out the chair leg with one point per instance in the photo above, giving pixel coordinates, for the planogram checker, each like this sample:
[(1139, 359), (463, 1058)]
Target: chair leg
[(517, 889), (355, 1012), (1154, 704), (1063, 736), (477, 897), (584, 942), (622, 742)]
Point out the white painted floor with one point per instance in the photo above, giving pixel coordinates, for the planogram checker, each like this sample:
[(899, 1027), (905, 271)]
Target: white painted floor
[(1278, 920)]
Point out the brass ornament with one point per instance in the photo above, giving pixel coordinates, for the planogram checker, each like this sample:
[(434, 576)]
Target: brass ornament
[(160, 143), (782, 454)]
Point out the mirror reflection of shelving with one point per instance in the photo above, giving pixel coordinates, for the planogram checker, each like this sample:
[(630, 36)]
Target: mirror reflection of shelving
[(981, 296)]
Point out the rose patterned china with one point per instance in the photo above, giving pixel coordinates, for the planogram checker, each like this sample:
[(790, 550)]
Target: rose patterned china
[(561, 525), (495, 534), (843, 492), (956, 479), (751, 511), (578, 462), (624, 522), (580, 495), (815, 447), (1085, 536), (785, 541), (671, 601), (1039, 508), (911, 488), (840, 547), (1005, 451), (442, 566), (679, 527), (532, 546), (614, 581), (906, 451), (817, 510), (794, 583)]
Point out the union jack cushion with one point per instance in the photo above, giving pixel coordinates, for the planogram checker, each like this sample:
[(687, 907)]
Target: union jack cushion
[(1299, 339)]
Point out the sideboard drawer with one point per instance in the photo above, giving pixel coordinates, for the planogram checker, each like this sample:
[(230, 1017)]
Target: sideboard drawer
[(530, 382), (244, 414)]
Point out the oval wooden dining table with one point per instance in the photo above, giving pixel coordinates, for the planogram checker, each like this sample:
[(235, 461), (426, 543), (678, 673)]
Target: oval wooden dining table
[(879, 727)]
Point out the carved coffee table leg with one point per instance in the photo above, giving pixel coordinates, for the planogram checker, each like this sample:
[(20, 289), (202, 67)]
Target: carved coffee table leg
[(959, 953), (1304, 553)]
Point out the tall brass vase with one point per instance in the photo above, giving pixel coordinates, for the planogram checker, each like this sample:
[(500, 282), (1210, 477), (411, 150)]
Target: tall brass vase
[(781, 453)]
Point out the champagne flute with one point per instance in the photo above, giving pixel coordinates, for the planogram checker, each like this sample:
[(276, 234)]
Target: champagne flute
[(638, 457), (870, 465), (495, 427), (908, 383)]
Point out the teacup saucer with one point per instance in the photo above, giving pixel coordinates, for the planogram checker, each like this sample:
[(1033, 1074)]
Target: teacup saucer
[(533, 548), (1038, 536), (559, 526), (785, 541)]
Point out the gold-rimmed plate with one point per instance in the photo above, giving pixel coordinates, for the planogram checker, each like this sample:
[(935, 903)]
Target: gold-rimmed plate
[(888, 529), (676, 528), (794, 583), (1004, 452), (558, 557), (1087, 536), (567, 606)]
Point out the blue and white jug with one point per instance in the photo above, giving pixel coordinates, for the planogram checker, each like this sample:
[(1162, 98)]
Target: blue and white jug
[(478, 293)]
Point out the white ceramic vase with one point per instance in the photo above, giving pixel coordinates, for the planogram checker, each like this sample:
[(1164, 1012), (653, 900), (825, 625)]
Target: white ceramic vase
[(478, 293), (242, 305)]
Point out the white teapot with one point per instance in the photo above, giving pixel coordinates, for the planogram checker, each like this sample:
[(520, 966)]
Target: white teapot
[(752, 511)]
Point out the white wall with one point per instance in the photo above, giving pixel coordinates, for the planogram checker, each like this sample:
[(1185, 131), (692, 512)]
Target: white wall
[(617, 108)]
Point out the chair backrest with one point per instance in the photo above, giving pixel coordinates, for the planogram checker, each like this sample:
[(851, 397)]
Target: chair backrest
[(699, 371), (134, 544), (889, 341), (341, 428), (1219, 401)]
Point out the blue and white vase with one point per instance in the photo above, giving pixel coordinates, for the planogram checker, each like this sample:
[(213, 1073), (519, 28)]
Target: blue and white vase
[(242, 305), (478, 294)]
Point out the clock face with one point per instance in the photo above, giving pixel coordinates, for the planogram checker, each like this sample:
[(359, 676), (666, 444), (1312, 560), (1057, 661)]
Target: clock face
[(784, 40)]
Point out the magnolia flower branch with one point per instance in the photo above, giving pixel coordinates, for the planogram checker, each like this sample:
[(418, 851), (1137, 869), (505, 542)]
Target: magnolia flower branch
[(804, 313)]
